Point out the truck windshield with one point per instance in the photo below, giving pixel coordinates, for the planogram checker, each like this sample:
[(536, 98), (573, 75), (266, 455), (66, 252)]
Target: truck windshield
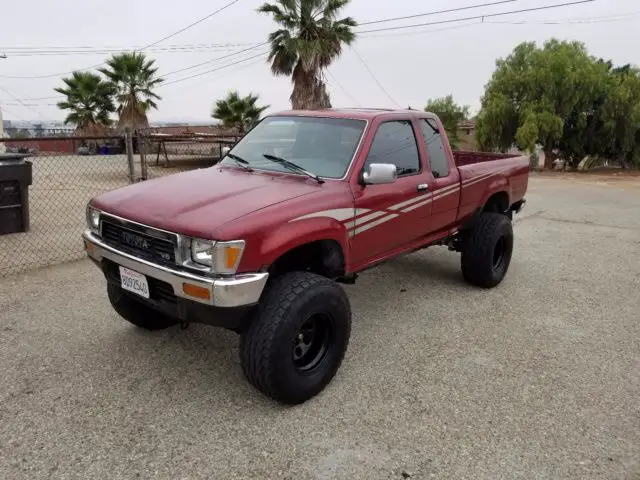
[(324, 146)]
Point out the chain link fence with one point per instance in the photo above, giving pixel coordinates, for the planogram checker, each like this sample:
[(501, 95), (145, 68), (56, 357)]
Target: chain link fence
[(67, 171), (165, 154)]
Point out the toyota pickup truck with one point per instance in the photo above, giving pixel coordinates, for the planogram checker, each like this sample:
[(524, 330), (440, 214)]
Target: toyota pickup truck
[(260, 242)]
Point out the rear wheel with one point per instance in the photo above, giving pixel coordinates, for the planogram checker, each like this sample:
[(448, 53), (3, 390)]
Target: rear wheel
[(487, 250), (136, 312), (298, 338)]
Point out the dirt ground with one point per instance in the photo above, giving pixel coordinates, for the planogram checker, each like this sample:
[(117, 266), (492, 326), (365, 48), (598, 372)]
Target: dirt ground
[(537, 378)]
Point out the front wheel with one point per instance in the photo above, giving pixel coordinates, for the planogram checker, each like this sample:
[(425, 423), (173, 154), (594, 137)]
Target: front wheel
[(487, 250), (298, 338)]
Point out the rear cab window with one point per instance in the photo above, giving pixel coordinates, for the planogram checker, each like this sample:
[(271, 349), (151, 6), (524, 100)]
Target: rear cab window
[(436, 154)]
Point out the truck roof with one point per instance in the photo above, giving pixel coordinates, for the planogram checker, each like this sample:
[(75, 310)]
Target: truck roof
[(354, 113)]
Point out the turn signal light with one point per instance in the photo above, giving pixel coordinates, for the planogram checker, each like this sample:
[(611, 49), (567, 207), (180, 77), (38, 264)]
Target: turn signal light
[(196, 291), (231, 255)]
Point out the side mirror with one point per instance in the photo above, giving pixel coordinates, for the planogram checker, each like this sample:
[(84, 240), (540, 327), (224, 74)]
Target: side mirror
[(380, 174), (225, 150)]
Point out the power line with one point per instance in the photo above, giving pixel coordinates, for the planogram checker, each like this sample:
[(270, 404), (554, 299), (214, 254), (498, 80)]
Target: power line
[(335, 80), (207, 17), (422, 32), (215, 59), (147, 46), (450, 10), (212, 70), (574, 21), (126, 48), (66, 53), (11, 113), (215, 77), (374, 78), (192, 67), (19, 101), (476, 17)]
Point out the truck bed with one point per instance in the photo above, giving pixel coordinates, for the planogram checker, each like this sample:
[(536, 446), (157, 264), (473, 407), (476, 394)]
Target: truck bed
[(482, 173), (462, 157)]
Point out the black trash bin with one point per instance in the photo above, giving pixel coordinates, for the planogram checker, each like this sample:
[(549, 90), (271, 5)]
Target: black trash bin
[(15, 178)]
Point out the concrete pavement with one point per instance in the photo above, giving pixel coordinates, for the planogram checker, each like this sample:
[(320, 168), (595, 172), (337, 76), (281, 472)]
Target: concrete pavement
[(538, 378)]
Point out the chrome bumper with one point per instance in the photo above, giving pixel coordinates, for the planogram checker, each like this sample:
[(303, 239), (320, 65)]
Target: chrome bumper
[(227, 292)]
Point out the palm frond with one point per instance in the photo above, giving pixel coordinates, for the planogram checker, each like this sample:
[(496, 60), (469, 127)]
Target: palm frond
[(238, 112), (311, 37), (133, 77)]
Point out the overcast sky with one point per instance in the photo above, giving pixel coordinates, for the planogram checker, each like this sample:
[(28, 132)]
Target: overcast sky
[(412, 65)]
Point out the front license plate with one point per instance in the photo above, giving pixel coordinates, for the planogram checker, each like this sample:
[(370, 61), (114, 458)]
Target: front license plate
[(134, 282)]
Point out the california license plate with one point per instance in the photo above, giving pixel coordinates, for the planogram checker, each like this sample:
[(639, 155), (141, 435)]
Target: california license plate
[(134, 282)]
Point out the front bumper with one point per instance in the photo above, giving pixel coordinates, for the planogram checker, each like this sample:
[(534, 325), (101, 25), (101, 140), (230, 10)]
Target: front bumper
[(228, 292)]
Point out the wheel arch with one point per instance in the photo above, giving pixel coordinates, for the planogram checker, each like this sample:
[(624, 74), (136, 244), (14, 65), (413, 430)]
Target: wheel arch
[(497, 202), (323, 256)]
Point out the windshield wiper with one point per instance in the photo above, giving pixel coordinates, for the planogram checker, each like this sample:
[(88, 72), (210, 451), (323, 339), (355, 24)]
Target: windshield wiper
[(240, 161), (292, 166)]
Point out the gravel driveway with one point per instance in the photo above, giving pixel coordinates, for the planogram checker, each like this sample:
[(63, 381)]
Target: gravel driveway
[(538, 378)]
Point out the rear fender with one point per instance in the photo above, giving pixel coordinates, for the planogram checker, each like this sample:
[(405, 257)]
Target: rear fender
[(497, 185)]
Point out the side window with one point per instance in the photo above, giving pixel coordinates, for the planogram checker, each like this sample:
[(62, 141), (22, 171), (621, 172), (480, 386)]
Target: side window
[(395, 142), (435, 148)]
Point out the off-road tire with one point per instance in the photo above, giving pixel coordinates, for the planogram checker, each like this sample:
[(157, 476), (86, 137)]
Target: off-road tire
[(267, 345), (136, 312), (491, 232)]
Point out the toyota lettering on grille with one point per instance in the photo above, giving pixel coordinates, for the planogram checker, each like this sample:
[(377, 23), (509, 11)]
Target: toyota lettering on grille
[(135, 241)]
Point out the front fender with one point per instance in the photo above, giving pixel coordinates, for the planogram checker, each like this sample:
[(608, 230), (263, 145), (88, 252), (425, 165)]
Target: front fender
[(288, 236)]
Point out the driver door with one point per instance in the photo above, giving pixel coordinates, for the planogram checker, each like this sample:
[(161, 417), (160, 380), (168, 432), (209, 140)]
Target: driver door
[(391, 216)]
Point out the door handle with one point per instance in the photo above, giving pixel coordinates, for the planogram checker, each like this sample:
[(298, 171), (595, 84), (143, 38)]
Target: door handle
[(423, 187)]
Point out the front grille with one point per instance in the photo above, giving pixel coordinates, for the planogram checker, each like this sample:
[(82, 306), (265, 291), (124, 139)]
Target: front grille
[(159, 291), (144, 246)]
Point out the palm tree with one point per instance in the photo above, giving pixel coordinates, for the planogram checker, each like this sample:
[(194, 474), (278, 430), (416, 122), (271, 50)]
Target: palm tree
[(309, 41), (134, 77), (89, 101), (238, 112)]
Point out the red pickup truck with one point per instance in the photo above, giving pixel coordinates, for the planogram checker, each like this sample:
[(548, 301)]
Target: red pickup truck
[(306, 200)]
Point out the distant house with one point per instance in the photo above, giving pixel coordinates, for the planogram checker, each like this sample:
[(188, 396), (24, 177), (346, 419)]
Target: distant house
[(467, 135)]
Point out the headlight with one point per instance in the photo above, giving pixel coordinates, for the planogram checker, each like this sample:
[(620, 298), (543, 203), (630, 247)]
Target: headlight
[(202, 251), (93, 219), (222, 257)]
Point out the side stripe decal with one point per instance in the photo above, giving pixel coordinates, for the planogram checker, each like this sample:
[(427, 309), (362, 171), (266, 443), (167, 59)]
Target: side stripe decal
[(374, 224), (363, 219)]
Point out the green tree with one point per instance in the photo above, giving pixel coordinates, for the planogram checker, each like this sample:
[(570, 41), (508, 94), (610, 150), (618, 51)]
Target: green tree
[(238, 112), (450, 114), (134, 78), (536, 94), (309, 40), (89, 102), (619, 117)]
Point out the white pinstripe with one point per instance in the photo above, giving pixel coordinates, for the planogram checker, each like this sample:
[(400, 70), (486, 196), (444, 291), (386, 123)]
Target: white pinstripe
[(363, 219)]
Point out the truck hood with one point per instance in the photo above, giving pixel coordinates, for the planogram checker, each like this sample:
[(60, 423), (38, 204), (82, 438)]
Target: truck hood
[(195, 203)]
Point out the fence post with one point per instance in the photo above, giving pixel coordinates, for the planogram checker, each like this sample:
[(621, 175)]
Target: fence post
[(129, 149), (142, 148)]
